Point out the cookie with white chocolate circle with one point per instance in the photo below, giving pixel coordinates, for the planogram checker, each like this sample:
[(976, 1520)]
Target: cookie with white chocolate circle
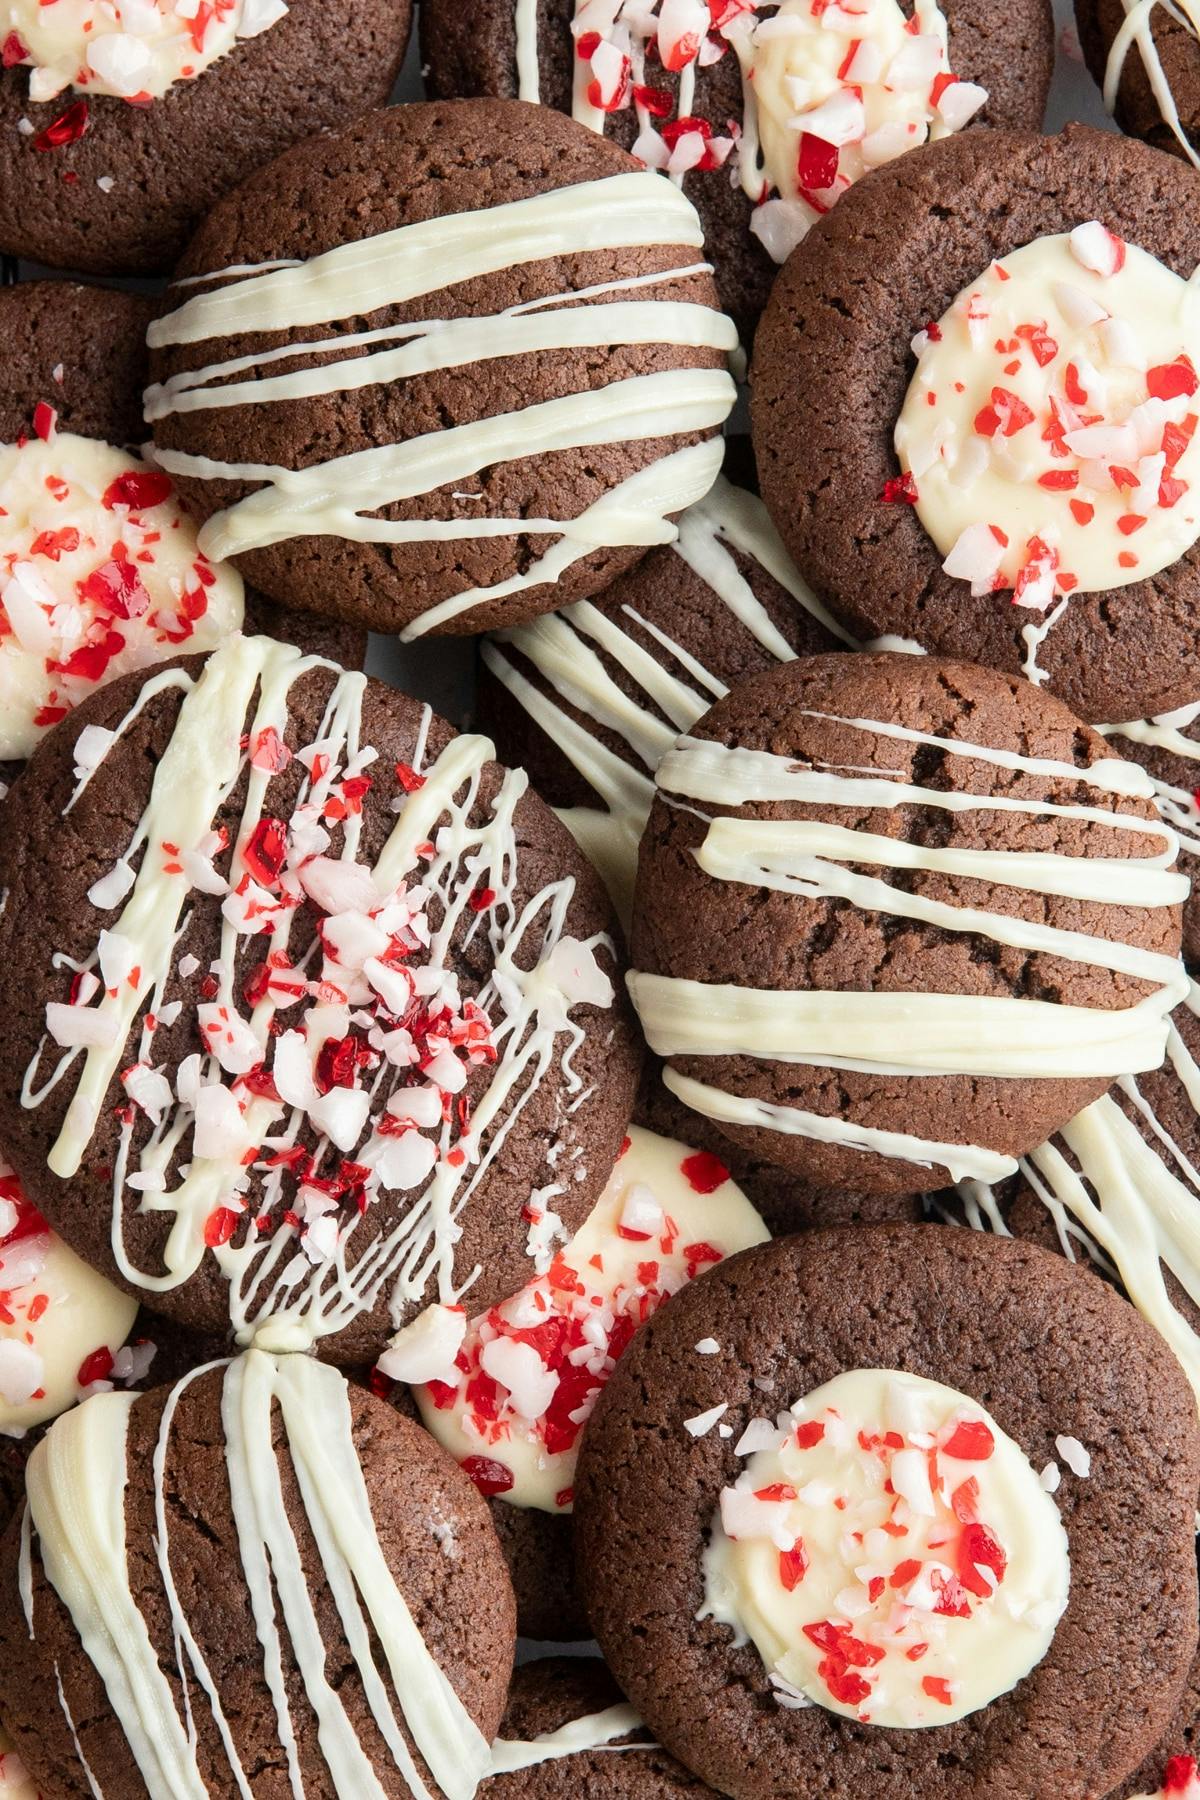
[(865, 1581), (763, 113), (1147, 65), (100, 572), (895, 914), (975, 408), (320, 996), (122, 127), (482, 374), (304, 1583)]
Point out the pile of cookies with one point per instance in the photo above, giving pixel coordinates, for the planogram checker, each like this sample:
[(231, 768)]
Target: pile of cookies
[(699, 1163)]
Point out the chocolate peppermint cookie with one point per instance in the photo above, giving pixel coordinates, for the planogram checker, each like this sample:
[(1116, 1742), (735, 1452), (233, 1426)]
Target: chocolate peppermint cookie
[(558, 1696), (975, 408), (507, 369), (896, 915), (295, 1579), (99, 568), (764, 113), (320, 997), (124, 126), (1148, 68), (839, 1526), (589, 698)]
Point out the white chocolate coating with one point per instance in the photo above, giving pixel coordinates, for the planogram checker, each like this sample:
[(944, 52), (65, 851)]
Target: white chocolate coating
[(1169, 732), (919, 1033), (55, 1314), (563, 647), (337, 497), (130, 48), (1050, 423), (91, 583), (294, 1284), (664, 1210), (908, 1604)]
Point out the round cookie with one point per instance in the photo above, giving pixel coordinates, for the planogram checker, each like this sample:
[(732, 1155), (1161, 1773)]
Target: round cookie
[(917, 838), (1168, 748), (359, 977), (266, 1471), (89, 529), (509, 1394), (683, 98), (587, 699), (1160, 54), (567, 381), (835, 380), (555, 1692), (111, 188), (1043, 1349)]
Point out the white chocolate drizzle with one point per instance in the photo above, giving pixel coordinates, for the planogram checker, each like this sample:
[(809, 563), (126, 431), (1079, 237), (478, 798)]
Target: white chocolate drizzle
[(1138, 28), (341, 495), (77, 1484), (563, 647), (901, 1033), (1169, 732), (278, 1299), (1136, 1198)]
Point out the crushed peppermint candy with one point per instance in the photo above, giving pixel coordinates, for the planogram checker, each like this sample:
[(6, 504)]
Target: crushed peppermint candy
[(1077, 1458), (828, 93), (526, 1376), (99, 574), (1049, 431), (889, 1550)]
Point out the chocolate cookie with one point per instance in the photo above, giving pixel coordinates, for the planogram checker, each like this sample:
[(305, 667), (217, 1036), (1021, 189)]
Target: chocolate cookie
[(588, 699), (922, 498), (763, 888), (94, 183), (99, 571), (677, 86), (509, 1394), (349, 1007), (1017, 1352), (558, 1691), (1171, 1770), (315, 1576), (1168, 748), (542, 352), (1162, 53)]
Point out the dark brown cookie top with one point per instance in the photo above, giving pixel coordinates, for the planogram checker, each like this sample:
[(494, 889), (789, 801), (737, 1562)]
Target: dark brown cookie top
[(423, 166), (1009, 52), (546, 1065), (437, 1545), (1169, 751), (832, 365), (1177, 56), (539, 1551), (691, 925), (553, 1692), (82, 350), (168, 163), (1050, 1351)]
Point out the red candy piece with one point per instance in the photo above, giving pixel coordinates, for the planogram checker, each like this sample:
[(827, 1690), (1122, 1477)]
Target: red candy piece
[(970, 1441), (809, 1434), (116, 587), (1168, 380), (219, 1226), (68, 128), (938, 1688), (265, 849), (793, 1566), (704, 1173), (816, 163), (96, 1367), (490, 1477), (138, 489)]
